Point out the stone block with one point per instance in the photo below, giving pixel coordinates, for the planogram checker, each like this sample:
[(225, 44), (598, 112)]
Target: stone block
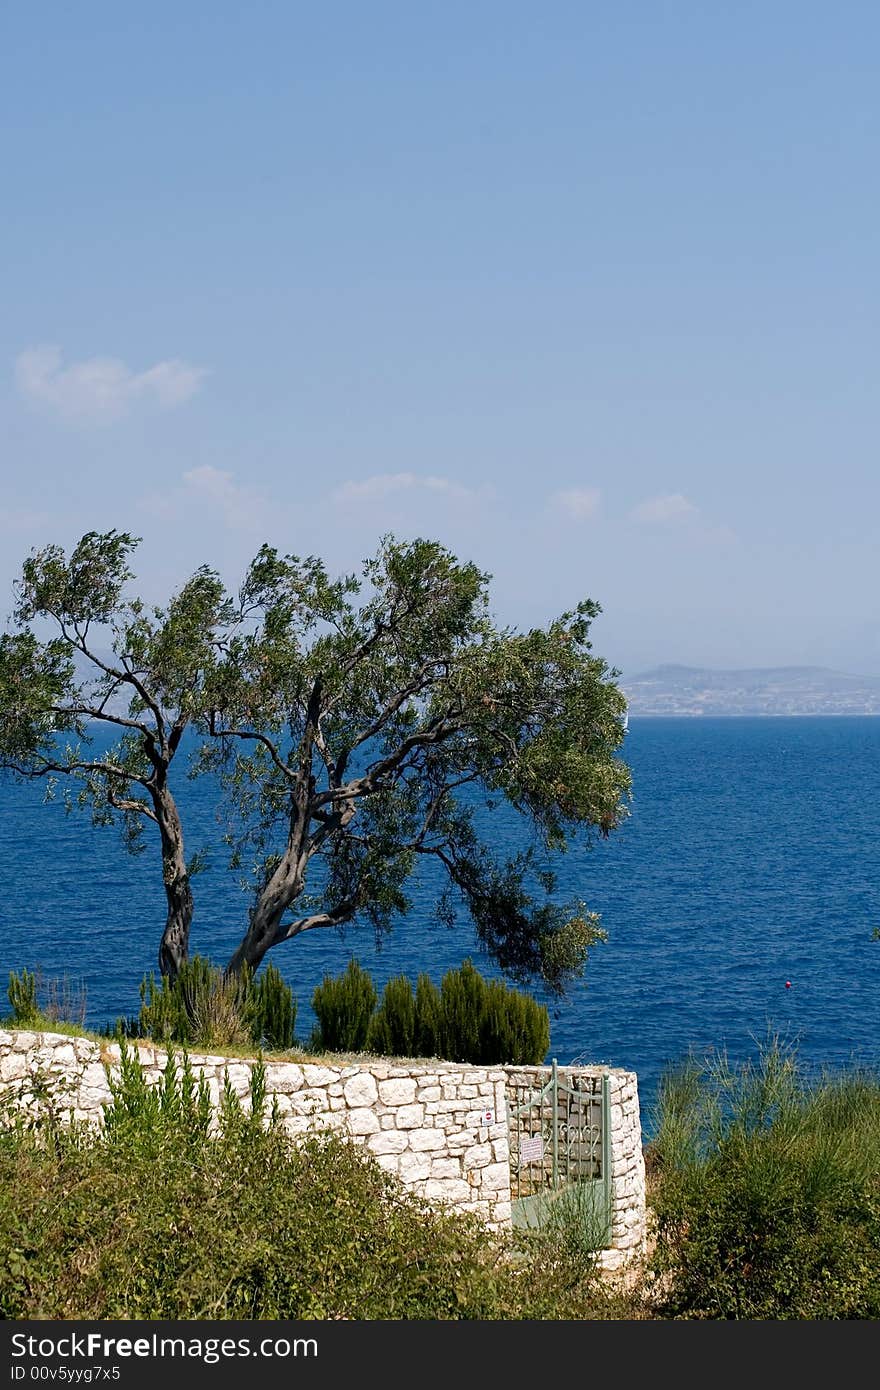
[(449, 1191), (478, 1156), (284, 1077), (363, 1121), (387, 1142), (239, 1078), (414, 1167), (13, 1067), (410, 1116), (445, 1168), (427, 1140), (496, 1177), (388, 1162), (319, 1076), (361, 1090), (398, 1091)]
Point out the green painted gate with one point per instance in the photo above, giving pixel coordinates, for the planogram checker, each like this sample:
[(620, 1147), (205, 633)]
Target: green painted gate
[(560, 1150)]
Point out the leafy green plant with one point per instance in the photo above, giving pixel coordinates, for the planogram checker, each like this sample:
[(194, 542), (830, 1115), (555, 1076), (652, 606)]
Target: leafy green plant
[(22, 996), (768, 1191), (462, 1001), (468, 1019), (172, 1213), (427, 1020), (392, 1030), (205, 1007), (343, 1008), (272, 1010), (485, 1022)]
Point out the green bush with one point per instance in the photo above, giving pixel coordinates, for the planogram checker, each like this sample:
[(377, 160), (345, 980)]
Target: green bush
[(22, 996), (768, 1191), (515, 1028), (462, 1012), (468, 1019), (392, 1030), (162, 1216), (485, 1022), (427, 1021), (205, 1007), (273, 1011), (343, 1008)]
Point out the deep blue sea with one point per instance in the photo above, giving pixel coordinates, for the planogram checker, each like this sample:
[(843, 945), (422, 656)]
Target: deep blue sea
[(750, 859)]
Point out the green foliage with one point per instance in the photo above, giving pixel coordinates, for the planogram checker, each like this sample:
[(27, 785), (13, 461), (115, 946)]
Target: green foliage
[(485, 1022), (356, 724), (166, 1216), (45, 1001), (367, 722), (392, 1030), (468, 1019), (462, 1013), (427, 1026), (22, 996), (513, 1027), (205, 1007), (343, 1008), (768, 1191), (272, 1011)]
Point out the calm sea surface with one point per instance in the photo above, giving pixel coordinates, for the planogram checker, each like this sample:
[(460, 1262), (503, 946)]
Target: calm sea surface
[(750, 859)]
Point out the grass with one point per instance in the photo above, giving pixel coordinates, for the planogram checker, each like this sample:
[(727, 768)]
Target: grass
[(766, 1191), (243, 1052)]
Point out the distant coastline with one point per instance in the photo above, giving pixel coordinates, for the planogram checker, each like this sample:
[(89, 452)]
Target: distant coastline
[(755, 714), (772, 692)]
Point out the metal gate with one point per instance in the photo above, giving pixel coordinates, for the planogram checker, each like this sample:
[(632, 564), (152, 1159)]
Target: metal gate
[(560, 1146)]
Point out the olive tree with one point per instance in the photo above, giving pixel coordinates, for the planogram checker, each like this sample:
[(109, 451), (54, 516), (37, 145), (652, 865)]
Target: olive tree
[(83, 655), (358, 726), (362, 724)]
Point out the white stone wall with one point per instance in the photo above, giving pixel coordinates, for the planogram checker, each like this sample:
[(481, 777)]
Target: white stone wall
[(440, 1127)]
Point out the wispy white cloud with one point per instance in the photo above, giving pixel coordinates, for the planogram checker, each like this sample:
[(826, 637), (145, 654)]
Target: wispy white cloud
[(660, 510), (578, 503), (382, 485), (212, 490), (100, 390)]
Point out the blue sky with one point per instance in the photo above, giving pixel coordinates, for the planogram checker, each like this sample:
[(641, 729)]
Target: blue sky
[(588, 292)]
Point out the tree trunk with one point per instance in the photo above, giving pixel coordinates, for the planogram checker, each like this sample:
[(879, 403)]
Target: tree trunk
[(261, 935), (174, 947), (264, 929)]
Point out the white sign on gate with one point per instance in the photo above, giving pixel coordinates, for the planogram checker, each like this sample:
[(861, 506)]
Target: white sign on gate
[(531, 1150)]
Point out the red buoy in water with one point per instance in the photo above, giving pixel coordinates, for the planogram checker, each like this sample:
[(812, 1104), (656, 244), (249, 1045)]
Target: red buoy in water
[(788, 984)]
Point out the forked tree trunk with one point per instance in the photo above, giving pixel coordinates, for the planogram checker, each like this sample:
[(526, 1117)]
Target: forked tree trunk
[(174, 947), (265, 928)]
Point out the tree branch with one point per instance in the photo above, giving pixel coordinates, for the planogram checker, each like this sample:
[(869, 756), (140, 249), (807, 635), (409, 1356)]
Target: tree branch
[(279, 762)]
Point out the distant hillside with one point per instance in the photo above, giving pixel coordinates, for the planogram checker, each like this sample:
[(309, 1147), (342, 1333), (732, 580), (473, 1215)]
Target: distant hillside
[(695, 690)]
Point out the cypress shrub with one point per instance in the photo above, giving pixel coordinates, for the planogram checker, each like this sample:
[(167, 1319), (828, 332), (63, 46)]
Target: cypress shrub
[(273, 1011), (515, 1028), (343, 1008), (462, 1008), (426, 1042), (485, 1022), (392, 1031), (468, 1019)]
